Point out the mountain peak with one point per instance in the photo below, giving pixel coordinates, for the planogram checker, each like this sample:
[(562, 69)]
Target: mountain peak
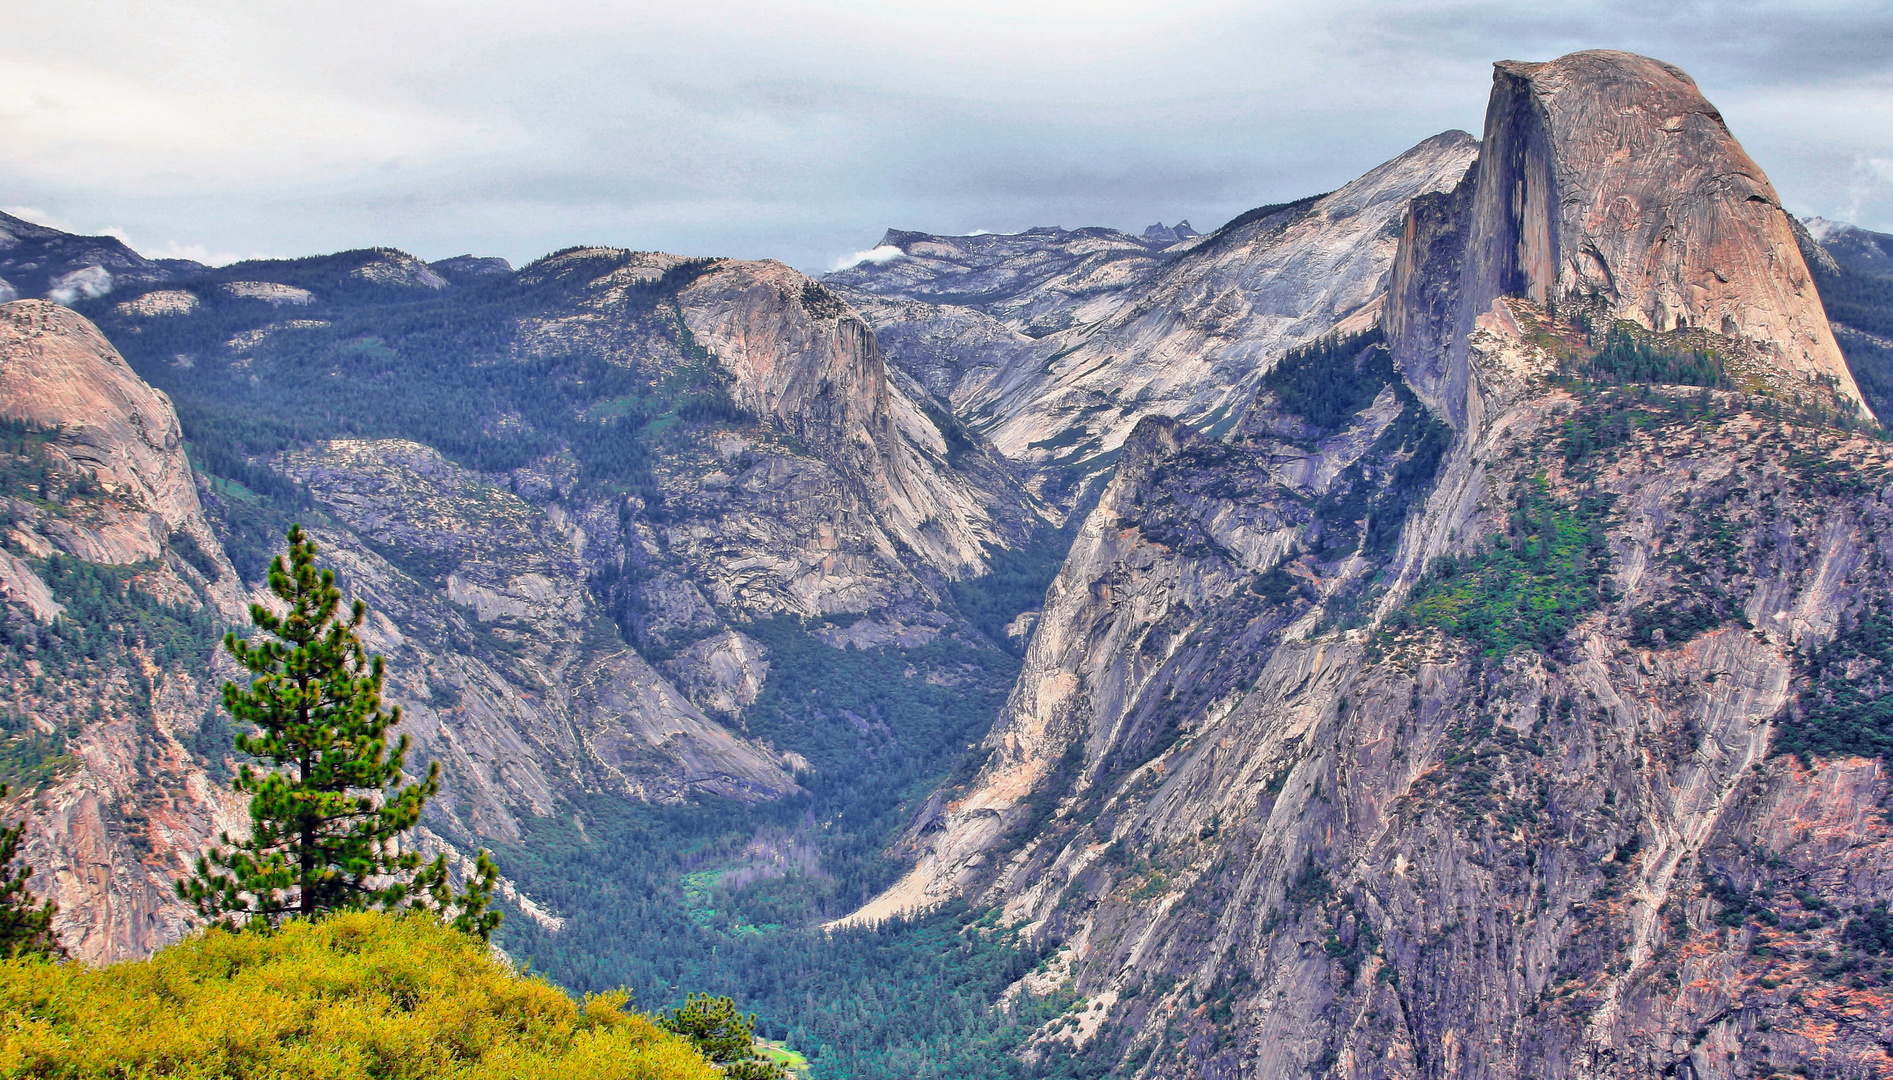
[(1609, 187), (1170, 234)]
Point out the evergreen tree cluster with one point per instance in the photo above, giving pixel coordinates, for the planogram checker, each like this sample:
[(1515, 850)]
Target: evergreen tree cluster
[(1846, 707), (1627, 358), (1328, 380)]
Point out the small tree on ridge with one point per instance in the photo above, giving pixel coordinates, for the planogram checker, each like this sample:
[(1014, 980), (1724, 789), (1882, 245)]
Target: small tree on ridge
[(326, 821)]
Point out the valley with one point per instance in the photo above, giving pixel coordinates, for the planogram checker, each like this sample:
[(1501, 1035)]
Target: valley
[(1436, 627)]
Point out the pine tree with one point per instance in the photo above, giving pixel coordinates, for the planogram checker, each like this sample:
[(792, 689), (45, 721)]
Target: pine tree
[(327, 820), (26, 924), (723, 1035)]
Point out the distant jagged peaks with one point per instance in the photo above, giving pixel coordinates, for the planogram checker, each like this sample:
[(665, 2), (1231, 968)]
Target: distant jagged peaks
[(1170, 234), (1040, 281)]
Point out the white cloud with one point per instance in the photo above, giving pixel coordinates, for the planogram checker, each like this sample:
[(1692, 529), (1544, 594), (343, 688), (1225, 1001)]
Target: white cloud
[(881, 255), (171, 249), (88, 283), (78, 123)]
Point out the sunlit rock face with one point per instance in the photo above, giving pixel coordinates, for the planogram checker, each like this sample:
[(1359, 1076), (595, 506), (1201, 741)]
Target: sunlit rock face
[(58, 372), (1609, 187), (804, 361)]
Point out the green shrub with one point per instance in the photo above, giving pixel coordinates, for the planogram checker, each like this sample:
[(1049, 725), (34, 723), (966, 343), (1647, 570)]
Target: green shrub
[(1531, 585), (352, 995)]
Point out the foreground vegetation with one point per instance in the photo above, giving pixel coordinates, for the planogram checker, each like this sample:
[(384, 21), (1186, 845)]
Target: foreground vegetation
[(355, 994)]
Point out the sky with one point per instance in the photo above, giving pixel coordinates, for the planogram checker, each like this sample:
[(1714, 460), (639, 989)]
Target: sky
[(802, 130)]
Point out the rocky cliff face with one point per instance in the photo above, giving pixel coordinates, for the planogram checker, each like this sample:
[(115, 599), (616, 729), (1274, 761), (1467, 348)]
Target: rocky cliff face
[(812, 368), (59, 374), (1188, 339), (1511, 794), (114, 582), (505, 668), (1608, 187)]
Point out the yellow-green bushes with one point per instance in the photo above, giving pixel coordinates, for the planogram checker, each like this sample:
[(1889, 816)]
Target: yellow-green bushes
[(351, 996)]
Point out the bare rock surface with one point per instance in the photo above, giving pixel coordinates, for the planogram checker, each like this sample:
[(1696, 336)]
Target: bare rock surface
[(1187, 336), (811, 366), (1608, 185), (483, 605), (60, 375), (1037, 282)]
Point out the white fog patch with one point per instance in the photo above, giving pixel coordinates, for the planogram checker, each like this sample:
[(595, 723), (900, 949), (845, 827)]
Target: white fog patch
[(886, 253), (86, 284)]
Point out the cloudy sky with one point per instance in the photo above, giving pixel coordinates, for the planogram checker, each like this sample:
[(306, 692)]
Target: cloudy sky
[(800, 130)]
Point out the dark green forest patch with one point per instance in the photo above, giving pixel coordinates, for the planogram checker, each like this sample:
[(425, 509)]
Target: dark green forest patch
[(1845, 707), (1630, 354), (908, 999), (1328, 383)]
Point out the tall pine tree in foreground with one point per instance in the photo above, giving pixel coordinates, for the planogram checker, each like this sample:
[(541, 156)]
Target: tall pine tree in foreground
[(326, 821), (26, 924)]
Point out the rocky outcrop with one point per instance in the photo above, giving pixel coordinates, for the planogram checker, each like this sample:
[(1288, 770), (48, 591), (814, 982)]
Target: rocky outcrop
[(723, 673), (468, 269), (1608, 186), (808, 365), (59, 374), (483, 609), (1236, 821)]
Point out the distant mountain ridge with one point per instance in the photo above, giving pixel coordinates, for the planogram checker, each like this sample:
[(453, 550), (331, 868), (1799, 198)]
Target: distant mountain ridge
[(38, 261), (1183, 332)]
